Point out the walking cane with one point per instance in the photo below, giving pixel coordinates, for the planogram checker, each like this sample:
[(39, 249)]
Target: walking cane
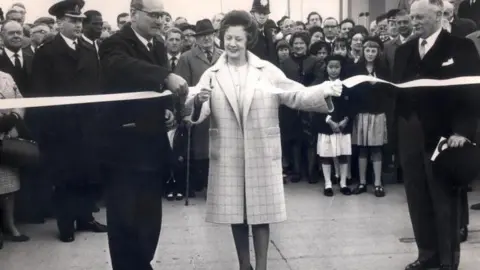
[(187, 192)]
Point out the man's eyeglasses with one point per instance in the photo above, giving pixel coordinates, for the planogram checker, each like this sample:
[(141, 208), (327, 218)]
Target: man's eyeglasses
[(43, 32), (154, 15)]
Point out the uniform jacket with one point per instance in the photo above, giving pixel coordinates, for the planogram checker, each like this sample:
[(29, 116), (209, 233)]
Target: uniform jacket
[(58, 70), (245, 149), (442, 111), (133, 133), (191, 66)]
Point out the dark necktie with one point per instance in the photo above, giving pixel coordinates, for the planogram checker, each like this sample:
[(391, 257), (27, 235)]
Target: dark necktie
[(74, 45), (18, 64), (173, 62), (209, 56), (150, 46)]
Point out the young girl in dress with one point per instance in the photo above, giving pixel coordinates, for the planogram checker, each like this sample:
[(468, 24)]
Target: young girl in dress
[(334, 130), (370, 124)]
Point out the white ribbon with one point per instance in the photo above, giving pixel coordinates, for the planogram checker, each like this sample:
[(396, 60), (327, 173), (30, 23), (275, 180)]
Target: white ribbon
[(350, 82)]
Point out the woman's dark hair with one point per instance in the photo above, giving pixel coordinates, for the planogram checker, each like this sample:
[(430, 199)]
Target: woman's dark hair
[(358, 29), (304, 35), (317, 46), (342, 61), (281, 44), (300, 23), (373, 42), (315, 29), (240, 18), (347, 20), (341, 40)]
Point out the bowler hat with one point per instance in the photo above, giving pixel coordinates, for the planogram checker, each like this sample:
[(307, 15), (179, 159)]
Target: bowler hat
[(204, 27), (68, 8), (457, 165)]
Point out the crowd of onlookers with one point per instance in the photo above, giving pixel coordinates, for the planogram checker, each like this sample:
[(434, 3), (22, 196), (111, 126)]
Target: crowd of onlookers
[(310, 52)]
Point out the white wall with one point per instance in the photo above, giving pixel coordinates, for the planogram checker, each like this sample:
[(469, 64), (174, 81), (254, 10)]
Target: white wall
[(192, 9)]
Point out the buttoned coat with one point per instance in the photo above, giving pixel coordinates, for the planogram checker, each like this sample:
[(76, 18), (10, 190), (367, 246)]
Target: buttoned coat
[(245, 175)]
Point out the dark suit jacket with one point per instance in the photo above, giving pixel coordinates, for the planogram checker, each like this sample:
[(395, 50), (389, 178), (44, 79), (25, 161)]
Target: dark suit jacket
[(133, 133), (21, 77), (463, 27), (472, 12), (265, 48), (442, 111)]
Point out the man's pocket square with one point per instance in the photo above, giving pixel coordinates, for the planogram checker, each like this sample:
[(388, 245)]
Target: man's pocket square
[(447, 63)]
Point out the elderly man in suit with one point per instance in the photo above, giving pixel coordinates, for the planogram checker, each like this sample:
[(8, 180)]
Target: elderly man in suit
[(133, 142), (191, 66), (404, 25), (427, 115)]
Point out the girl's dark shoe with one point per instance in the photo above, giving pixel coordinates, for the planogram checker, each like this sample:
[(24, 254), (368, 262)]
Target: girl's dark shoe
[(170, 196), (179, 197), (328, 192), (346, 191), (361, 188), (379, 191)]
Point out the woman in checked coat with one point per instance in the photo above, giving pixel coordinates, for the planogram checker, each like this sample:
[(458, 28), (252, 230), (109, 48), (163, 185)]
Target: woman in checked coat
[(243, 94)]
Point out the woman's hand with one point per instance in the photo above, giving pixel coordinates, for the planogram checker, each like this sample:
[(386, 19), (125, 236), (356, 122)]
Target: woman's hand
[(203, 96), (332, 89), (170, 121)]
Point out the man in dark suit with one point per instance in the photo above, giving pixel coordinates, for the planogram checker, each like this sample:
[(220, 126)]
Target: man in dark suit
[(404, 25), (13, 59), (470, 9), (428, 114), (133, 141), (64, 66)]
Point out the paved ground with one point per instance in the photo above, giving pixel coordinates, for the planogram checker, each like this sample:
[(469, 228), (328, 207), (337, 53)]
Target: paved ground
[(343, 233)]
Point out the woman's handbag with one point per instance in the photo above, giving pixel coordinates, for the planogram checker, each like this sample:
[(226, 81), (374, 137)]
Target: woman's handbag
[(18, 153)]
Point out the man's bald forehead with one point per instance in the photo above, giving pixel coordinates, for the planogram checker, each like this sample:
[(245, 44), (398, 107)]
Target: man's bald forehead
[(156, 5), (9, 25), (40, 27)]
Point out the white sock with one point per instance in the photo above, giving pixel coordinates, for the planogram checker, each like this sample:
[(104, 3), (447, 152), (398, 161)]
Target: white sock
[(327, 172)]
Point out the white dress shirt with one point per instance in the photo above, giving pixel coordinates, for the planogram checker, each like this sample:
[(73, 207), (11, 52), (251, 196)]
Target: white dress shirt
[(70, 42), (177, 56), (430, 41), (90, 42), (143, 40), (11, 56)]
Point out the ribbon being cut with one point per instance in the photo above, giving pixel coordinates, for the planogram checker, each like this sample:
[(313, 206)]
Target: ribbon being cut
[(349, 82)]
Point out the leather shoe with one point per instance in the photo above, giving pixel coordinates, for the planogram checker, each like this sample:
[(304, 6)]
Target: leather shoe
[(92, 226), (67, 238), (423, 265)]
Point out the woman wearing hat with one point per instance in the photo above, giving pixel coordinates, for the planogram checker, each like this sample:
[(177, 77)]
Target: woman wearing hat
[(245, 184)]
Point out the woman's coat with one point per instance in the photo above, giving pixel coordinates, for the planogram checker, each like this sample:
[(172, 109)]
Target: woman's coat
[(245, 177)]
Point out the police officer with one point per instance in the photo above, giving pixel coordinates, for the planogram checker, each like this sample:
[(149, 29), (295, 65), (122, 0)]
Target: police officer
[(65, 66)]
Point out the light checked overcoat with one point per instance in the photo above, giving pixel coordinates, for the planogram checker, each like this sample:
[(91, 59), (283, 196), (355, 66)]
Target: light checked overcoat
[(245, 182)]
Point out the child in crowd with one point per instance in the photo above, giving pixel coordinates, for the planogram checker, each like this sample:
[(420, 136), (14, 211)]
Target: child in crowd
[(334, 129)]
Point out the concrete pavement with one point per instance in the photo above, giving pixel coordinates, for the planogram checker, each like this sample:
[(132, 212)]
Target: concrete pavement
[(339, 233)]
